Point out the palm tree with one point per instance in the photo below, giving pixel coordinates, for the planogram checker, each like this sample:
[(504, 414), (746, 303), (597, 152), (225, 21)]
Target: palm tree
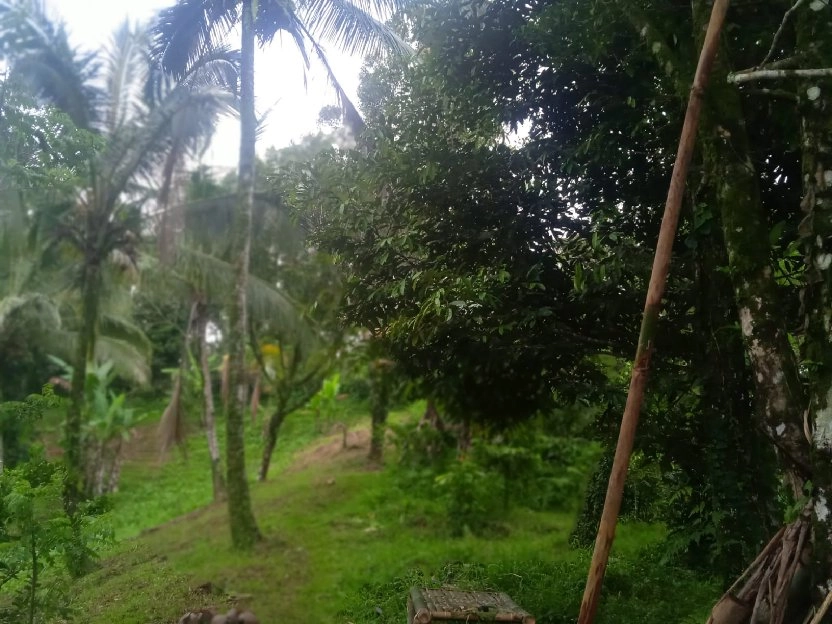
[(128, 108), (186, 31), (199, 273)]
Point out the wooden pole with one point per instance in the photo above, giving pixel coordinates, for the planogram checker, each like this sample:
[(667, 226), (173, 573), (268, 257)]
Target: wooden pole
[(652, 307)]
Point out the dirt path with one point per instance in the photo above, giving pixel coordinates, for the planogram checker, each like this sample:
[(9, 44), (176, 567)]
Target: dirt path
[(357, 445)]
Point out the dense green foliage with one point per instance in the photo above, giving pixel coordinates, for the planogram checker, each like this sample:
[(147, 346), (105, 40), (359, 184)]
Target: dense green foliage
[(506, 276), (480, 240), (39, 549)]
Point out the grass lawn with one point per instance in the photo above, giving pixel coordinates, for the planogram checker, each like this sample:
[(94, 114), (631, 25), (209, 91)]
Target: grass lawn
[(342, 542)]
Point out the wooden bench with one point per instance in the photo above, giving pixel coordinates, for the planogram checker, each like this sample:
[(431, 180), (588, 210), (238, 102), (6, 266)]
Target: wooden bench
[(450, 605)]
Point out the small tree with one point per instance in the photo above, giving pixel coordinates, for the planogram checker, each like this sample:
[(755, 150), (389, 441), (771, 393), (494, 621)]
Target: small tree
[(295, 376)]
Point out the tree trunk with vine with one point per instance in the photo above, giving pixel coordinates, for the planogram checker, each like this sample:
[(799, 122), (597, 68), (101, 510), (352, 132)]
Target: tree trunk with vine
[(777, 586), (815, 232)]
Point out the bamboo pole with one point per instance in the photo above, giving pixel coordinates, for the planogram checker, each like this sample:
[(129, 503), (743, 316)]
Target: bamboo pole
[(652, 307)]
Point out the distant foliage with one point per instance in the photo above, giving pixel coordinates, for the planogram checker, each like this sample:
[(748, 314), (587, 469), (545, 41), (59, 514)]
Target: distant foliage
[(477, 489), (643, 497), (325, 402), (470, 501)]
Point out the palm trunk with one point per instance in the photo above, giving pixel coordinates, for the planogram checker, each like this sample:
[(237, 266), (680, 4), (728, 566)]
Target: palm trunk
[(208, 415), (73, 441), (244, 531), (255, 397), (172, 425), (86, 346), (167, 234)]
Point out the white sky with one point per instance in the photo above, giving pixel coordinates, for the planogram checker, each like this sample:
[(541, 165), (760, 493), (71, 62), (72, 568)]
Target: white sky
[(292, 111)]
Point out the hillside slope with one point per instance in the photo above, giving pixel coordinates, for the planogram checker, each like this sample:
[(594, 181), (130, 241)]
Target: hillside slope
[(340, 535)]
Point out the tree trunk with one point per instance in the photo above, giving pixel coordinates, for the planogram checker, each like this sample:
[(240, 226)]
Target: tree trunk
[(255, 398), (172, 425), (73, 440), (167, 229), (272, 431), (775, 586), (90, 295), (244, 531), (379, 406), (779, 395), (815, 103), (208, 416)]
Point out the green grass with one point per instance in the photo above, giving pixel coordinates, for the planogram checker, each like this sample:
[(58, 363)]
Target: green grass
[(154, 490), (343, 543)]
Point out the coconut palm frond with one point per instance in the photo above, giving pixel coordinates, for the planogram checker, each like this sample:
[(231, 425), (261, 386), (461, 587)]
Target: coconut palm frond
[(171, 430), (189, 30), (352, 118), (381, 9), (126, 72), (119, 328), (350, 27), (38, 51), (140, 149), (208, 220), (274, 16), (219, 66), (128, 361), (17, 262), (215, 278)]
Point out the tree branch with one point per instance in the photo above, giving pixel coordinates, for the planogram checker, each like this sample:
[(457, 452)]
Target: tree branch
[(775, 93), (780, 32), (777, 74)]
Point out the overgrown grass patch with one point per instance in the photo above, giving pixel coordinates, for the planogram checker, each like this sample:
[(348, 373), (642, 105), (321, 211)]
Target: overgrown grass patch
[(637, 590), (344, 540)]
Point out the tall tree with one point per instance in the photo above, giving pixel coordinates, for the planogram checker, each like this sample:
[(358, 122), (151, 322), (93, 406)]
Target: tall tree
[(129, 108), (183, 33)]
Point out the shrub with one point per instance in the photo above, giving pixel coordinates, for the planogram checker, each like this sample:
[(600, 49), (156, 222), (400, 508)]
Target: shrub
[(38, 546), (470, 500)]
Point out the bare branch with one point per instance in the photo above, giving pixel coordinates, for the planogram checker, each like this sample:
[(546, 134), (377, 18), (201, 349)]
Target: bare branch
[(780, 31), (777, 74)]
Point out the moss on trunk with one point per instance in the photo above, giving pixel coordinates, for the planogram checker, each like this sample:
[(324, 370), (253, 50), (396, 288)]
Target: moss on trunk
[(726, 154)]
